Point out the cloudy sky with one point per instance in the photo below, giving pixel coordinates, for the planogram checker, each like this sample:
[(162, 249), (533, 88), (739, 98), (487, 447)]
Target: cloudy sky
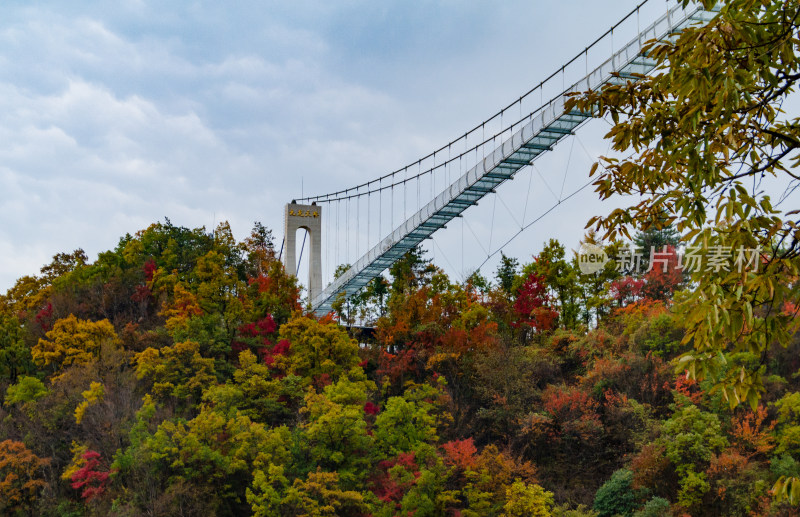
[(115, 115)]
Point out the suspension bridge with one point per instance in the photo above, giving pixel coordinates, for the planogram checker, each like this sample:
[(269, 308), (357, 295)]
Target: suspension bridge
[(392, 214)]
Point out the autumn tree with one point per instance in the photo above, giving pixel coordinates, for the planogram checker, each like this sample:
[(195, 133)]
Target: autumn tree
[(335, 433), (524, 500), (259, 248), (507, 383), (567, 426), (15, 355), (21, 478), (560, 275), (27, 389), (319, 351), (177, 372), (320, 494), (172, 248), (259, 392), (410, 332), (664, 277), (74, 341), (403, 426), (63, 263), (92, 477), (28, 294), (208, 308), (532, 306), (214, 453), (486, 477), (273, 292), (626, 289)]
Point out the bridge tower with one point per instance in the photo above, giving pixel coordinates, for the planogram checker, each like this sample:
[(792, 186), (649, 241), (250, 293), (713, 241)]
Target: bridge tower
[(309, 218)]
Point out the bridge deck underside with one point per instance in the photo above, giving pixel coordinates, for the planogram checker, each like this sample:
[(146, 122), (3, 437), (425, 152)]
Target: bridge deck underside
[(551, 124)]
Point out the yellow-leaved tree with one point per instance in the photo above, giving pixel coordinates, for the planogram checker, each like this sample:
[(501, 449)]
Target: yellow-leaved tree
[(73, 341)]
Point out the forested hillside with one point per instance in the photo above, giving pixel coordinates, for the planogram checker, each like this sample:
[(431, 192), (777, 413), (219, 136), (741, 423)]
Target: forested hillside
[(179, 374)]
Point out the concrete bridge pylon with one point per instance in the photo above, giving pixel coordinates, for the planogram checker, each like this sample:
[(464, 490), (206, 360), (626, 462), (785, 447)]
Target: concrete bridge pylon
[(309, 218)]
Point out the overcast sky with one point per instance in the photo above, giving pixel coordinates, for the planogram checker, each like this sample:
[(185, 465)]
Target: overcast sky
[(115, 115)]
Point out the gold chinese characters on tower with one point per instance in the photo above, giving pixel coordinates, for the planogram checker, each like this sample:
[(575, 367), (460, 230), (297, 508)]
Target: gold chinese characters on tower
[(304, 213)]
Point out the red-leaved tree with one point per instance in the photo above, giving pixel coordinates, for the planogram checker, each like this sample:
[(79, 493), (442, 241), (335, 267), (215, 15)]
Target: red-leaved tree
[(92, 481), (531, 307), (664, 277)]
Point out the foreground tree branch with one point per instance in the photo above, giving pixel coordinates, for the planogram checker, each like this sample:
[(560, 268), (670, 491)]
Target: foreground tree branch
[(709, 119)]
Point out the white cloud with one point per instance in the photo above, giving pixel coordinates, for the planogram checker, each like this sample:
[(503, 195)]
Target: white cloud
[(87, 159)]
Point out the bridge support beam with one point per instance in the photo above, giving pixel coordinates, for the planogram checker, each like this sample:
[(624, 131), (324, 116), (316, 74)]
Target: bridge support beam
[(309, 218)]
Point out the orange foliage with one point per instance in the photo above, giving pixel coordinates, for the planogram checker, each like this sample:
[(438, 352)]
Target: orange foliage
[(630, 317), (751, 436), (480, 337), (20, 481), (573, 411), (689, 388), (647, 379), (183, 306), (605, 370), (429, 328), (420, 313), (726, 465), (538, 425), (460, 453), (274, 292)]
